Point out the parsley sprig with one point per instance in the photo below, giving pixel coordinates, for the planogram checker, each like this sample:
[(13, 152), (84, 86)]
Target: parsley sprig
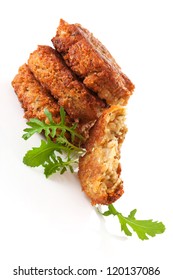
[(143, 228), (54, 145)]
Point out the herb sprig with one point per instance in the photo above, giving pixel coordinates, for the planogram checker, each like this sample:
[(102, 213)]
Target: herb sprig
[(143, 228), (57, 154), (50, 129), (54, 145)]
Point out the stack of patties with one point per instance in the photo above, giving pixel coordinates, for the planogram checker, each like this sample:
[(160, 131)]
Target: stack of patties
[(82, 76)]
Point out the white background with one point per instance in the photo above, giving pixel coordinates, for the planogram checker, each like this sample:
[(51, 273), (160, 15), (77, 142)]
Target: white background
[(50, 222)]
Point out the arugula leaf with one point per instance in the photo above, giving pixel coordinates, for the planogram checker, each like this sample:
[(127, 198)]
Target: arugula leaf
[(38, 155), (49, 151), (54, 164), (48, 156), (143, 228), (37, 126)]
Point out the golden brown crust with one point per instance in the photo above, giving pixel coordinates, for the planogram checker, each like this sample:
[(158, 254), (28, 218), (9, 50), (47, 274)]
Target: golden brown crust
[(99, 169), (49, 68), (47, 82), (33, 97), (92, 62)]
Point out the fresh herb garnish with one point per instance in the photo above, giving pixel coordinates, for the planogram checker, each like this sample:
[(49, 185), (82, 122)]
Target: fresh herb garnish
[(143, 228), (37, 126), (49, 155), (54, 145)]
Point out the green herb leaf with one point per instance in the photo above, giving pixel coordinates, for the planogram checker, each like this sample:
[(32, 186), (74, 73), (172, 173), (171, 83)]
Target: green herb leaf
[(143, 228), (37, 126), (56, 164), (39, 155), (49, 151)]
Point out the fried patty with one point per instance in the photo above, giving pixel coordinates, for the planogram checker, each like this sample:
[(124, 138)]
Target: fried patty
[(99, 169), (80, 76), (50, 70), (91, 61), (33, 97)]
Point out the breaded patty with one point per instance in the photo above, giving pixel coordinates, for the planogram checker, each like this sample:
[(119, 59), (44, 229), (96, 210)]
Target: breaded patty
[(49, 68), (99, 169), (33, 97), (93, 63)]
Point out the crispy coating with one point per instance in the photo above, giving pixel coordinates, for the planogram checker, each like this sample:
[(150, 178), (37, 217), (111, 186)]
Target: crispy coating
[(81, 77), (33, 97), (99, 169), (93, 63), (49, 68)]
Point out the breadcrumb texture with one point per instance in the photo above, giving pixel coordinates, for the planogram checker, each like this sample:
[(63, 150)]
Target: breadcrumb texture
[(82, 77), (100, 169), (50, 70), (92, 62), (33, 97)]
